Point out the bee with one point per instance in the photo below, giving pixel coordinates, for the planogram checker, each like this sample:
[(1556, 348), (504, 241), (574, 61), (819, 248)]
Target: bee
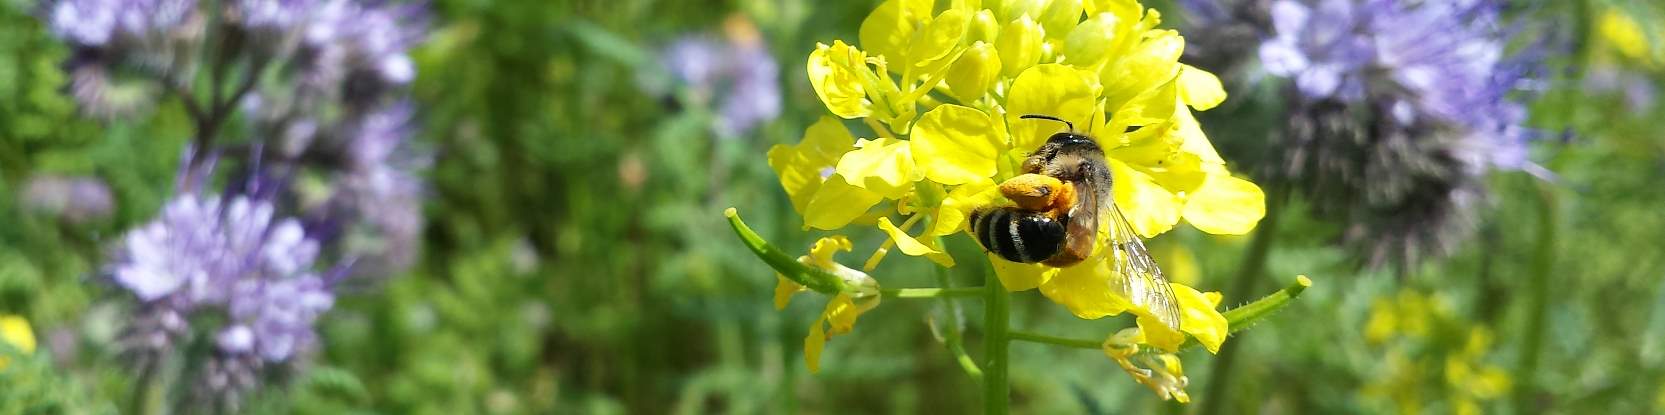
[(1058, 205)]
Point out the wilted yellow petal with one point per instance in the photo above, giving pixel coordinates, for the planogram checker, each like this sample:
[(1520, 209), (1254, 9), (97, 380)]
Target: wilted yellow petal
[(821, 253), (814, 342), (1225, 205), (837, 203), (1085, 289), (801, 167), (955, 145), (974, 72), (887, 30), (784, 289), (1199, 88), (1019, 45), (1150, 208), (1199, 318), (1050, 89), (1019, 276), (836, 73), (841, 314), (883, 165)]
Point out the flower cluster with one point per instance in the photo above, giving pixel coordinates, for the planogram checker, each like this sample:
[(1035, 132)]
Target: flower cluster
[(942, 91), (1412, 327), (737, 73), (323, 170), (16, 333), (1397, 110)]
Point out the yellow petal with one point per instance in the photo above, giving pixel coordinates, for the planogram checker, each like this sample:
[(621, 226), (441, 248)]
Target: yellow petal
[(821, 253), (1019, 276), (1192, 139), (960, 203), (813, 343), (928, 50), (1199, 318), (1199, 88), (1050, 89), (1085, 289), (784, 288), (955, 145), (884, 166), (1225, 205), (1126, 9), (1150, 208), (837, 203), (836, 73), (906, 243), (1151, 63), (887, 30), (1019, 45), (800, 167)]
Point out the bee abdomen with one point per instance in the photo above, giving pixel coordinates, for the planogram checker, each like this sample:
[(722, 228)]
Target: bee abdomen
[(1018, 236)]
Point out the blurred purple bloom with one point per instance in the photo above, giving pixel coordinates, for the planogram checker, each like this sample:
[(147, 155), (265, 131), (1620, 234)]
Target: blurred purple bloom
[(1418, 64), (363, 43), (102, 22), (232, 254), (74, 199), (740, 72)]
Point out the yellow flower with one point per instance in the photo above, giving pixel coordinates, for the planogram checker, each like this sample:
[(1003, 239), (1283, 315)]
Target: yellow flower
[(941, 91), (15, 332), (839, 317), (1627, 36)]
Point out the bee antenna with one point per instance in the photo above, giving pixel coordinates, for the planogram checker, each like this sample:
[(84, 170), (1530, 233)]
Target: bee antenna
[(1048, 117)]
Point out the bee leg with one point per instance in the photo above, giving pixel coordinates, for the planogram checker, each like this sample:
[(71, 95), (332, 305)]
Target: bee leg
[(1032, 192)]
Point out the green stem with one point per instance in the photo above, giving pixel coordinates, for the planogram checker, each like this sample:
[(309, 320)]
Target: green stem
[(905, 293), (996, 314), (954, 338), (1248, 273), (815, 279), (1537, 305), (1057, 341)]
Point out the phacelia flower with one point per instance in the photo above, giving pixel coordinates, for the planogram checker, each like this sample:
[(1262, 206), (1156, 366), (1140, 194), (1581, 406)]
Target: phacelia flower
[(230, 256), (1397, 111), (942, 91), (72, 199), (737, 75)]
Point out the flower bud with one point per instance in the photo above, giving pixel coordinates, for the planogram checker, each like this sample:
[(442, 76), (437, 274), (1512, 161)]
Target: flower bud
[(984, 27), (975, 71), (1088, 43), (1020, 45), (1061, 16)]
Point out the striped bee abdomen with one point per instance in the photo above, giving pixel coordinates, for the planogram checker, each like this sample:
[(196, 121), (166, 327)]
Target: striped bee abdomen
[(1017, 235)]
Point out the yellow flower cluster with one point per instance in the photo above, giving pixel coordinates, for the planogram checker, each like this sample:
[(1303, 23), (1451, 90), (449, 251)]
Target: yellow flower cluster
[(941, 88), (15, 332), (1408, 325)]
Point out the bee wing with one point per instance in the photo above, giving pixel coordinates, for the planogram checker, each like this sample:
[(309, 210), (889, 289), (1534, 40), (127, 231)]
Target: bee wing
[(1137, 276)]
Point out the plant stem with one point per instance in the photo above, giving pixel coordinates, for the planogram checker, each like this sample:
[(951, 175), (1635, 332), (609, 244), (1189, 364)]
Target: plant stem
[(1537, 304), (1248, 273), (955, 337), (996, 314), (905, 293), (1055, 340)]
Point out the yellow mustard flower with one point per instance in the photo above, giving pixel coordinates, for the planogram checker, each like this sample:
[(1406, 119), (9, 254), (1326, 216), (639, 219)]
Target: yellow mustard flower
[(15, 331), (841, 312), (1161, 372), (1626, 35), (941, 89)]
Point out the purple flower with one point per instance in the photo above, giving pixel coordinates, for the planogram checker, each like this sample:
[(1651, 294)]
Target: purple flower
[(103, 22), (739, 74), (1419, 65), (74, 199), (234, 254)]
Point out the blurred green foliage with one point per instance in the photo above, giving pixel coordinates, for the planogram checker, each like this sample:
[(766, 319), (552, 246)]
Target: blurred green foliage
[(576, 260)]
